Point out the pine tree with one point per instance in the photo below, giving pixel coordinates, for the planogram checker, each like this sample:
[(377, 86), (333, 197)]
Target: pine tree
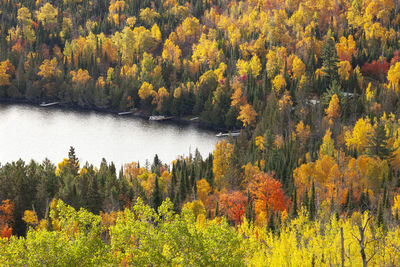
[(249, 210), (312, 205), (94, 199), (182, 188), (350, 202), (379, 143), (329, 57), (172, 185), (216, 213), (379, 216), (306, 201), (293, 213), (271, 222), (364, 202), (73, 162), (156, 198)]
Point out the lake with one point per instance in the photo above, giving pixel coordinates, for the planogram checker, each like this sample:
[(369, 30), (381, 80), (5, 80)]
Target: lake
[(30, 132)]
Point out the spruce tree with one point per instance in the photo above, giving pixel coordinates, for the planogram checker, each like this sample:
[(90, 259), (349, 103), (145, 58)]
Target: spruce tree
[(312, 205), (73, 162), (378, 143), (271, 222), (293, 212), (156, 198), (329, 57)]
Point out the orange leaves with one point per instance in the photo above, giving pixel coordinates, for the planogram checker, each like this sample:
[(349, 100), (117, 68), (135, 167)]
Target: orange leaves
[(6, 218), (344, 70), (49, 68), (80, 77), (30, 217), (267, 194), (237, 98), (233, 205), (6, 70), (346, 48), (333, 110), (303, 132)]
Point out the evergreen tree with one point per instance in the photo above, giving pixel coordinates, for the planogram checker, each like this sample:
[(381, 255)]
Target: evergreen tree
[(249, 210), (312, 205), (216, 213), (172, 185), (271, 222), (329, 57), (379, 143), (94, 198), (293, 212), (73, 162), (156, 198), (364, 202), (182, 188)]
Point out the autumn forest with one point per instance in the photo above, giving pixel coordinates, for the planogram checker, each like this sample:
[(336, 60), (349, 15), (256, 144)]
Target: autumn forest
[(313, 179)]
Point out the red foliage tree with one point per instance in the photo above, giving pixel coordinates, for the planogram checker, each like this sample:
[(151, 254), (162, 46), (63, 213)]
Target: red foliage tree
[(233, 205), (376, 69)]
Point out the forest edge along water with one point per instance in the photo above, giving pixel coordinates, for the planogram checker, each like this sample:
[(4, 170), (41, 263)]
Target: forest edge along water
[(34, 132)]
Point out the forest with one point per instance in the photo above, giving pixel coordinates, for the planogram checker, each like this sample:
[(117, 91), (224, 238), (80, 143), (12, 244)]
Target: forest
[(313, 179)]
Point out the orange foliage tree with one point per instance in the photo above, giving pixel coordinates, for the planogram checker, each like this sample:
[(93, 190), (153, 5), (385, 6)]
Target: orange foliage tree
[(6, 218), (233, 205), (267, 194)]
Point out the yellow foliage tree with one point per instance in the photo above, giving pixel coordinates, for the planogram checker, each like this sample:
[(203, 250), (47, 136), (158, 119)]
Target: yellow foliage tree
[(393, 77), (247, 115), (6, 70), (49, 68), (203, 189), (346, 48), (148, 15), (172, 53), (146, 90), (260, 142), (47, 14), (344, 69), (30, 217), (206, 52), (303, 132), (333, 110), (81, 76), (255, 66), (327, 147), (279, 83), (298, 68), (222, 162), (359, 138)]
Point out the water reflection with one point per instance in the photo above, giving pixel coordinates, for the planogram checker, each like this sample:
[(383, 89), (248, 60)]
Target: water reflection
[(29, 132)]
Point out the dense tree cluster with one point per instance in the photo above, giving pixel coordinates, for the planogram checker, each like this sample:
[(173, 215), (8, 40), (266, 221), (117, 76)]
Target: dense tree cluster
[(314, 86)]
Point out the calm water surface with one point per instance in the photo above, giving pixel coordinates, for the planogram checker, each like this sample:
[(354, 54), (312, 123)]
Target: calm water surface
[(29, 132)]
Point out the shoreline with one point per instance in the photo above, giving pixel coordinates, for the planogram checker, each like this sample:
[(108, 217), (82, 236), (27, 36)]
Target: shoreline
[(139, 114)]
